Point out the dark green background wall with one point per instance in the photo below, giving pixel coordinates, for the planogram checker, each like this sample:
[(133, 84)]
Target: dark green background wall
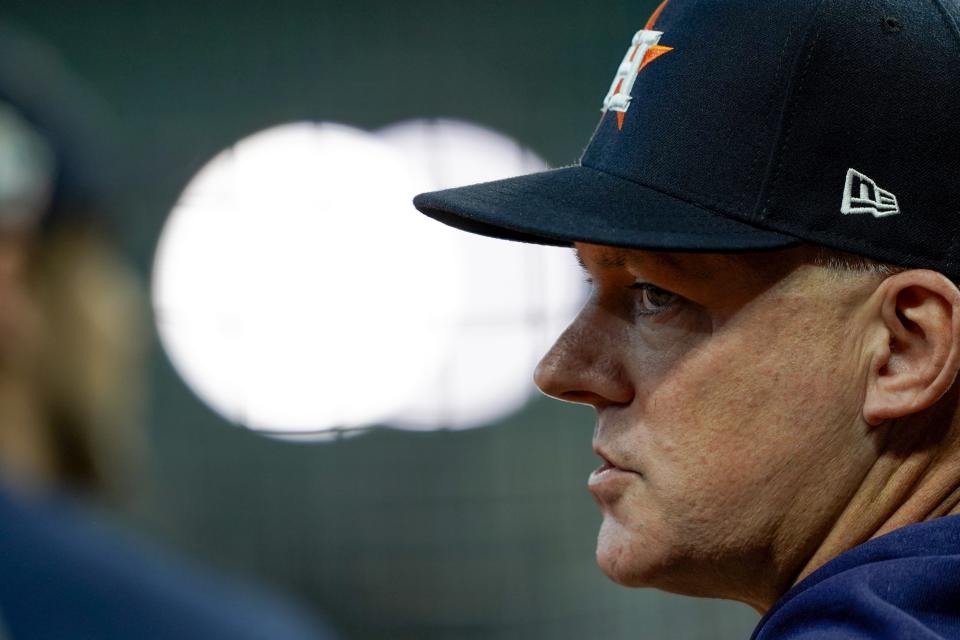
[(483, 534)]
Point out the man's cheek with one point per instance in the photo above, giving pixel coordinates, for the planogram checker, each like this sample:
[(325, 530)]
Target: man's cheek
[(714, 450)]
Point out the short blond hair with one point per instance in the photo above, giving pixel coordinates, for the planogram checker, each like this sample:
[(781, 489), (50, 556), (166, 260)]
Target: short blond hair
[(836, 260)]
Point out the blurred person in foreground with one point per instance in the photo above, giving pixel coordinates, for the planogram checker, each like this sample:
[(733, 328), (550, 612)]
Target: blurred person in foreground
[(769, 212), (72, 336)]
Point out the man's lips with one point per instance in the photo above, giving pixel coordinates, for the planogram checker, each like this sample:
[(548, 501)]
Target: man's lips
[(609, 461), (606, 466), (608, 481)]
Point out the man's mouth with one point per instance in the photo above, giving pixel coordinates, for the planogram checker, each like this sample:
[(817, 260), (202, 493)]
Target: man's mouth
[(606, 466), (608, 463), (608, 480)]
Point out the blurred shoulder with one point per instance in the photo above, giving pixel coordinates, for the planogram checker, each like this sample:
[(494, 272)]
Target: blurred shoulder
[(64, 573)]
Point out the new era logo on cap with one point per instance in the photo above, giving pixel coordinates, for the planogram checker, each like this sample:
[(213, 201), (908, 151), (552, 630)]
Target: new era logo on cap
[(862, 195)]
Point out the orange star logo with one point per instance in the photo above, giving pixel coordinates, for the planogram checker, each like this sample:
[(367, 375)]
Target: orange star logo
[(644, 49)]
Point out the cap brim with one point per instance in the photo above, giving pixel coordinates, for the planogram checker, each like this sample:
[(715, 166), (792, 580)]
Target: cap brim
[(580, 204)]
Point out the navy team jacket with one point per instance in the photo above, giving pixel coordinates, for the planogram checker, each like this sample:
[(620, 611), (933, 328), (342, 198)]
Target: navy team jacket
[(904, 585)]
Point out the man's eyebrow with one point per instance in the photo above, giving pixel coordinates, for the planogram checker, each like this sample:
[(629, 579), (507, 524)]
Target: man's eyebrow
[(614, 258), (611, 259)]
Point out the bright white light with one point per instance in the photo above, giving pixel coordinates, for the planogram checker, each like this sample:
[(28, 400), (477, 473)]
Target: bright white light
[(296, 290), (517, 297)]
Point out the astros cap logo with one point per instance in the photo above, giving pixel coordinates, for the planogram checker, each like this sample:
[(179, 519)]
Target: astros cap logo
[(644, 49)]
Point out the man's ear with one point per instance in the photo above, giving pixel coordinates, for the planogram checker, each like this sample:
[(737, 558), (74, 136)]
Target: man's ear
[(916, 359)]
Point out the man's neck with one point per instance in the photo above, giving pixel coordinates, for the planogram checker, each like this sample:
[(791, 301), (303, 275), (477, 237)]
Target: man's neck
[(902, 488)]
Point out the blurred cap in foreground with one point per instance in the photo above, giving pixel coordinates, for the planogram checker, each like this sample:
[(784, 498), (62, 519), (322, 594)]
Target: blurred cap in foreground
[(59, 157)]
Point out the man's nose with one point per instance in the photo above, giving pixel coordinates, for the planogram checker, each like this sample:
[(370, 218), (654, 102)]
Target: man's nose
[(581, 367)]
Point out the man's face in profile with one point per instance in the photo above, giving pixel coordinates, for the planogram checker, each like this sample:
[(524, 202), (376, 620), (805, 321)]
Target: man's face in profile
[(727, 391)]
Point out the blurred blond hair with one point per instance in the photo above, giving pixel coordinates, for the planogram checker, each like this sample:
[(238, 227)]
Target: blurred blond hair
[(72, 349)]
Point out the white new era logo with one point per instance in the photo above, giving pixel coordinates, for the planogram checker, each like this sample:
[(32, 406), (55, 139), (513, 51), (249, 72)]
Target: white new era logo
[(862, 195)]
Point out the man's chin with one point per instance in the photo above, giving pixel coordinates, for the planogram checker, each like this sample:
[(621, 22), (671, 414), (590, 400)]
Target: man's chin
[(640, 558), (629, 557)]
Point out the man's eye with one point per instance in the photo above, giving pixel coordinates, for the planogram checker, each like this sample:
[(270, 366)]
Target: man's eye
[(653, 299)]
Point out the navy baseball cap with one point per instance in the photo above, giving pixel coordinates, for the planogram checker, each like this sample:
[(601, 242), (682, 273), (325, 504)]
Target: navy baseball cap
[(736, 125)]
